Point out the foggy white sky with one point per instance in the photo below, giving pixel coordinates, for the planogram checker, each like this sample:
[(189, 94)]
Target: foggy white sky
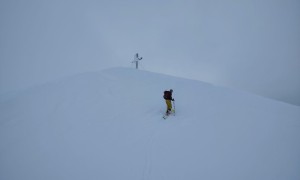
[(252, 45)]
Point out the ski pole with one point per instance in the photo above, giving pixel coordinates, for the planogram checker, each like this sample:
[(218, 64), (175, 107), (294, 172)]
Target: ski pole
[(174, 107)]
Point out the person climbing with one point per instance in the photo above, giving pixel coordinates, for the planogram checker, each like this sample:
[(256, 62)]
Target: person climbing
[(168, 97)]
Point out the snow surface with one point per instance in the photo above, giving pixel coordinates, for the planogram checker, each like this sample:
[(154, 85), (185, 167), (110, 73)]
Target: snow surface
[(108, 125)]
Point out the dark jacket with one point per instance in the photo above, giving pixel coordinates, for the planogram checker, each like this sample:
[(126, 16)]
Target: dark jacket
[(168, 95)]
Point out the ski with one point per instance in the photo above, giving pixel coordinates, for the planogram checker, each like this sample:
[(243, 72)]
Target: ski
[(167, 115)]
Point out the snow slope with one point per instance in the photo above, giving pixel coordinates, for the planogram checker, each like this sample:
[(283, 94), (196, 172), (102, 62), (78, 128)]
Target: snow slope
[(108, 125)]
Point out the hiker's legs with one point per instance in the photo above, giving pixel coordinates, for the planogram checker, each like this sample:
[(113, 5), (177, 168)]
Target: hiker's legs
[(169, 105)]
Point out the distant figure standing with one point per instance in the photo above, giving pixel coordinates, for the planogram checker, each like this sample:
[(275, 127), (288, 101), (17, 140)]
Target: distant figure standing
[(168, 97), (136, 60)]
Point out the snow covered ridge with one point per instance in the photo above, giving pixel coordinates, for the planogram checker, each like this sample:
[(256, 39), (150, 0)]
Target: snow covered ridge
[(108, 125)]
